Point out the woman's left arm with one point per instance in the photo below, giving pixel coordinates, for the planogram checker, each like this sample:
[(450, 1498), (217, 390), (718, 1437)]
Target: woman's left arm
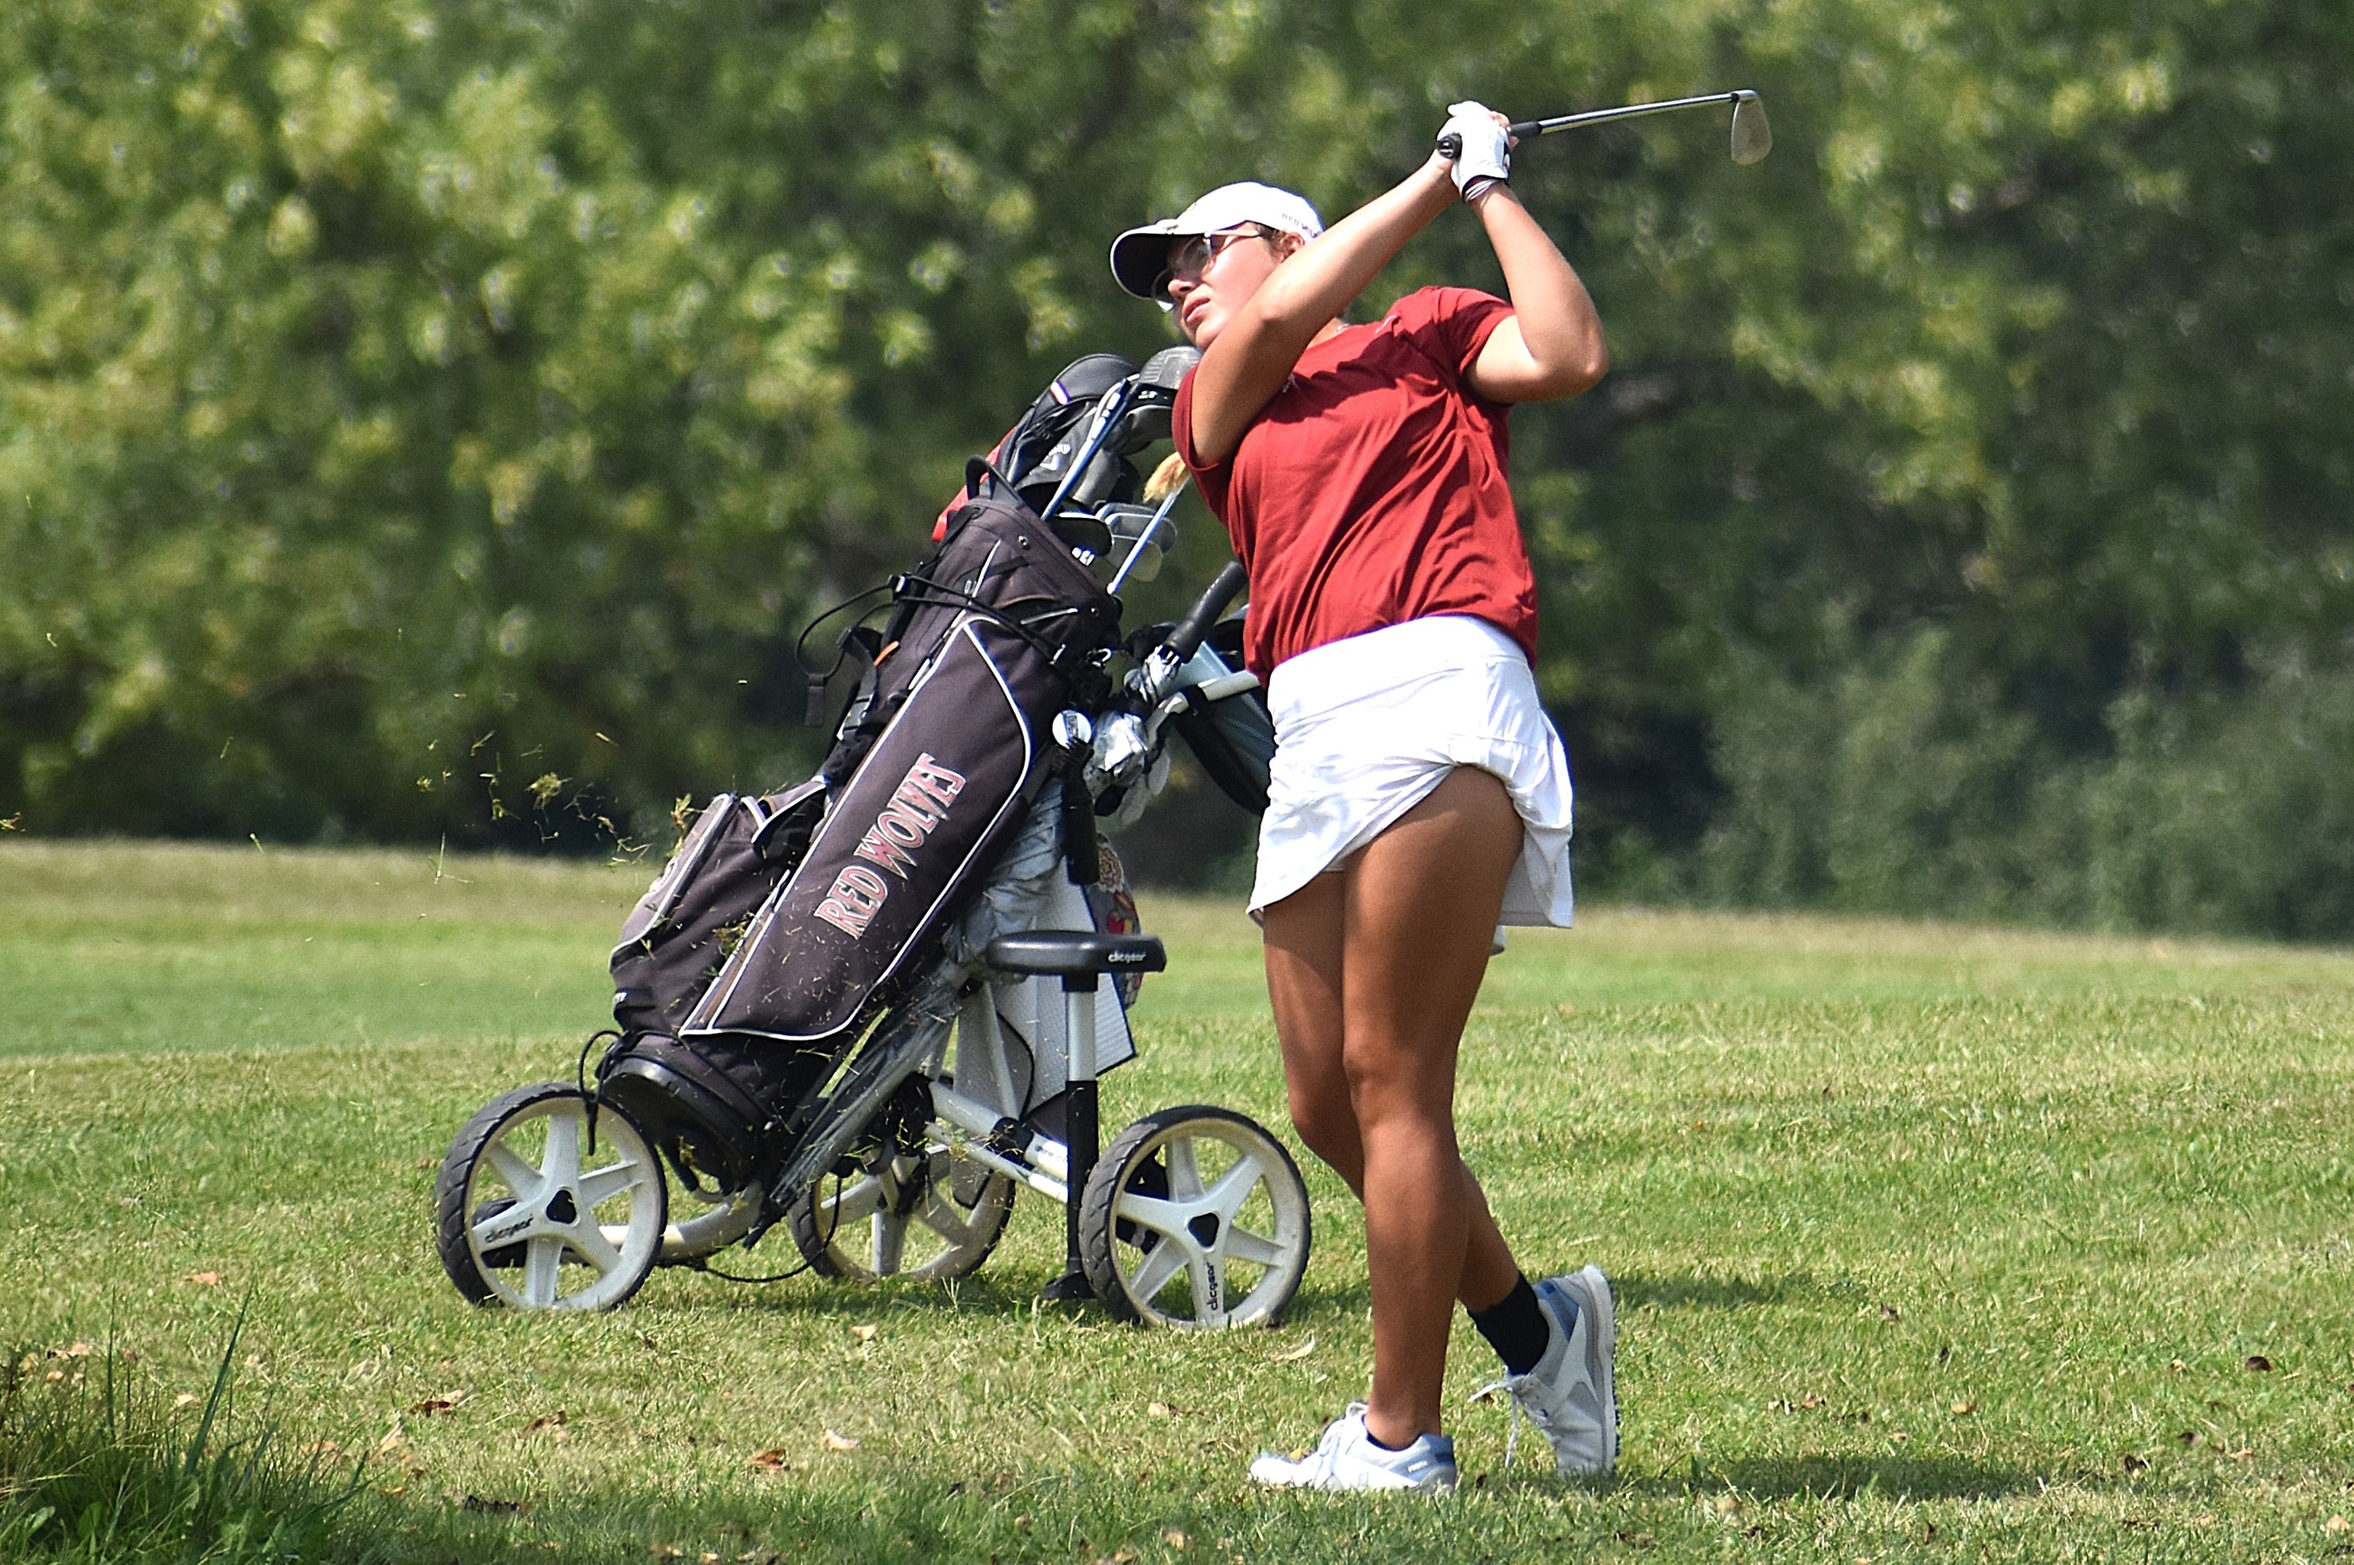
[(1551, 345)]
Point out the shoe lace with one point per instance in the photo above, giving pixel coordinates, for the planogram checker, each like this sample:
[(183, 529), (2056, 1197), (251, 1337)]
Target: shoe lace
[(1487, 1393)]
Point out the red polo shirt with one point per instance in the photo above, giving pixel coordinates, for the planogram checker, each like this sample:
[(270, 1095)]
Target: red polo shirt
[(1371, 489)]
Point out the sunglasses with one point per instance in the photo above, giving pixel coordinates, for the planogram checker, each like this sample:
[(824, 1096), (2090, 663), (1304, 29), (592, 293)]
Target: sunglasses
[(1197, 255)]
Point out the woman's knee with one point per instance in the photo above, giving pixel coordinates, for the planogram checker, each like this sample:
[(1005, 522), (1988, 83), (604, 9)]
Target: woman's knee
[(1397, 1090), (1326, 1127)]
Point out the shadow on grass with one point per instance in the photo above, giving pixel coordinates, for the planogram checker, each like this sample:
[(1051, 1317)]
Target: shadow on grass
[(1712, 1293), (1832, 1477), (1012, 1291), (999, 1292), (1004, 1292)]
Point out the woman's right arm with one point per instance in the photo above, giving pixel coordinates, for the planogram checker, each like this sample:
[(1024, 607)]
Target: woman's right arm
[(1252, 356)]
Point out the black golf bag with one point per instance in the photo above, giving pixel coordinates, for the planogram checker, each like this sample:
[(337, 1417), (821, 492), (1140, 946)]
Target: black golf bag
[(784, 925)]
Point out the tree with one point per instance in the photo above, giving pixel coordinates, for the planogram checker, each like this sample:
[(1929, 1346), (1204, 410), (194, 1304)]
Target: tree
[(414, 417)]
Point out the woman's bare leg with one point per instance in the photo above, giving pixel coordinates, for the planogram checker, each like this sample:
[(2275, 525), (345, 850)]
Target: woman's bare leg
[(1372, 972), (1304, 933)]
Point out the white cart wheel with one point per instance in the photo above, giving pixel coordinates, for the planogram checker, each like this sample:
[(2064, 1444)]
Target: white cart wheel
[(531, 1217), (1195, 1217), (926, 1216)]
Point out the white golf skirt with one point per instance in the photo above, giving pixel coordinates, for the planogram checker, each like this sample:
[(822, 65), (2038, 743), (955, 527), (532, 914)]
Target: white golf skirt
[(1366, 727)]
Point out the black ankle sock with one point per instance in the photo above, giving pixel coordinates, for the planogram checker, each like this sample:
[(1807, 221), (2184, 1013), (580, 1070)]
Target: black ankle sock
[(1516, 1328)]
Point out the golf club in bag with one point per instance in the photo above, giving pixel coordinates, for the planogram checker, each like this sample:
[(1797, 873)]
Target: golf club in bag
[(873, 1005)]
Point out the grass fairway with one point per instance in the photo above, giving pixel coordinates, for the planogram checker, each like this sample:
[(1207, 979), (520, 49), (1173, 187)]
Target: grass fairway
[(1931, 1242)]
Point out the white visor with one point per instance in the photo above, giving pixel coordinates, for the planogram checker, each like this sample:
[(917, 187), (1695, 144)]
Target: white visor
[(1140, 257)]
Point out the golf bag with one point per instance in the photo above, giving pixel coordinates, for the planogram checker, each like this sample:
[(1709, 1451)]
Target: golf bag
[(784, 925)]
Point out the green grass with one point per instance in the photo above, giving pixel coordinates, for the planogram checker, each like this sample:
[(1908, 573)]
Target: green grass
[(94, 1465), (1932, 1242)]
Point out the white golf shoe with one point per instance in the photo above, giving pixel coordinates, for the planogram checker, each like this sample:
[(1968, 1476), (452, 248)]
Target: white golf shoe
[(1347, 1458), (1571, 1395)]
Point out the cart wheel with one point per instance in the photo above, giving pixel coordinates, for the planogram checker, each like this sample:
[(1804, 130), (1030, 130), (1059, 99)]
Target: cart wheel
[(1195, 1217), (922, 1215), (529, 1216)]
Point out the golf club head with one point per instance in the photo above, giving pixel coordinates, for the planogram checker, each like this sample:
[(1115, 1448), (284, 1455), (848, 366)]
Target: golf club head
[(1753, 137)]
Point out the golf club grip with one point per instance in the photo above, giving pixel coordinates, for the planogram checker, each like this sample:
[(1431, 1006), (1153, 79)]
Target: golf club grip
[(1187, 637), (1450, 145)]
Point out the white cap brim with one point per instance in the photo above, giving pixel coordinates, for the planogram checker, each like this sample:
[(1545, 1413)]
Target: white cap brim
[(1140, 257)]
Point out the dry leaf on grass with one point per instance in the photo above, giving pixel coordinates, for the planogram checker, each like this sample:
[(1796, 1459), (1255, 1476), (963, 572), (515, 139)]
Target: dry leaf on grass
[(1158, 1410), (1293, 1355), (1964, 1409), (833, 1441), (864, 1333), (1175, 1538), (550, 1424), (2259, 1363), (439, 1404), (768, 1462), (2337, 1524), (186, 1399), (666, 1551), (2135, 1464), (204, 1279)]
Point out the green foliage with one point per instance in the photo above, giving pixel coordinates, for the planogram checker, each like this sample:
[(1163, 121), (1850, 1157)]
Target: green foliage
[(2227, 814), (419, 417), (1905, 787), (1908, 785)]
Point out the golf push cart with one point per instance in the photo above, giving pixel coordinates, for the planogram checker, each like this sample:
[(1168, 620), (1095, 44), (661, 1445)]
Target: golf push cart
[(873, 1006)]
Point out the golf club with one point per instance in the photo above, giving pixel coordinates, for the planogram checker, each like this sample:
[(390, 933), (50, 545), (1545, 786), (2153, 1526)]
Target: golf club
[(1753, 137)]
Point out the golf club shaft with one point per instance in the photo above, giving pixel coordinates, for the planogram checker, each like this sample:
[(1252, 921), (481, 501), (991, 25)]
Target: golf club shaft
[(1449, 146), (1528, 128)]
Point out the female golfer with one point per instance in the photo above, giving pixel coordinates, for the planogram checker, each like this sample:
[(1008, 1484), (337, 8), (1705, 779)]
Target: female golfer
[(1419, 797)]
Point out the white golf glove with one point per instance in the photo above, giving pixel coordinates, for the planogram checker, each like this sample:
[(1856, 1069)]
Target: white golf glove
[(1486, 155)]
